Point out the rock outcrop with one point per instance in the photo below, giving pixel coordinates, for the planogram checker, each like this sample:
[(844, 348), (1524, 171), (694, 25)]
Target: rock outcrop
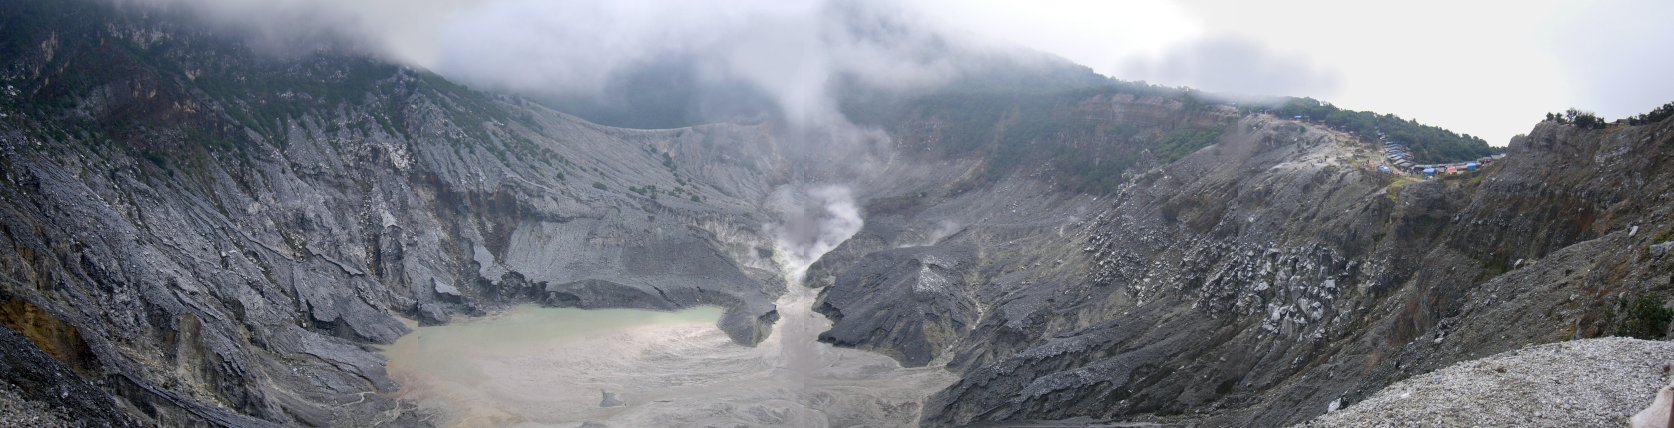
[(213, 234), (197, 233), (1263, 278)]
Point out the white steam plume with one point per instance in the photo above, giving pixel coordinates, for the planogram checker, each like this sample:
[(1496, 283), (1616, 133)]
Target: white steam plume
[(815, 220)]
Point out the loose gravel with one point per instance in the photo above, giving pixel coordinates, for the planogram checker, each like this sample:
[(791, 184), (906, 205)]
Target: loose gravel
[(1594, 382), (17, 412)]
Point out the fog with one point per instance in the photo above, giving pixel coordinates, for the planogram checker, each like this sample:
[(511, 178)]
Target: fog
[(1484, 68), (789, 52), (1234, 67), (644, 63)]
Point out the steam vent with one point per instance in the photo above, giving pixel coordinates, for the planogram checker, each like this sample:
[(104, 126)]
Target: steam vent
[(823, 213)]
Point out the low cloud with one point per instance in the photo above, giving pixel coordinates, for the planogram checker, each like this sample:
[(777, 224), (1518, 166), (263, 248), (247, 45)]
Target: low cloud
[(399, 30), (789, 53), (1232, 66)]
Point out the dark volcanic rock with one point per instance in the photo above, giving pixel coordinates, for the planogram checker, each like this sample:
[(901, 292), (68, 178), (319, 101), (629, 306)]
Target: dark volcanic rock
[(196, 233), (1263, 279), (909, 301), (41, 378), (227, 229), (1259, 280)]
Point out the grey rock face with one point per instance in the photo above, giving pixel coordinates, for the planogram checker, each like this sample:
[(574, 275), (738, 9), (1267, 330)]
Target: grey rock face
[(609, 400), (293, 276), (250, 267), (444, 290), (913, 301), (208, 235), (1262, 279), (40, 378)]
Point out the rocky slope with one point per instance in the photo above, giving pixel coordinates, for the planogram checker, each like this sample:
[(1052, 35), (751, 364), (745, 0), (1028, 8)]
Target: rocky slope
[(204, 234), (212, 234), (1592, 382), (1259, 280), (217, 235)]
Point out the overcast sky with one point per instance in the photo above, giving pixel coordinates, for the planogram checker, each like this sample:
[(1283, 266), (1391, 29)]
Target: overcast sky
[(1487, 68)]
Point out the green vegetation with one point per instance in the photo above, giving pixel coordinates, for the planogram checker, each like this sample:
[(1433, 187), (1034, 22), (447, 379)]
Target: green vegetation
[(1589, 120), (1654, 116), (1647, 318), (648, 190), (156, 158), (1183, 142), (1429, 144), (600, 186), (1400, 181), (1579, 118), (227, 99)]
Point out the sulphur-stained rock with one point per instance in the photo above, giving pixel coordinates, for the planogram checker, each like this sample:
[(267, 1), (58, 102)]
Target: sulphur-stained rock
[(253, 259), (197, 232)]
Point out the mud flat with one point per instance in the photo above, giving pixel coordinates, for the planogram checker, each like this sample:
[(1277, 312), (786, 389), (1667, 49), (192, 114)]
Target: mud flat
[(534, 366)]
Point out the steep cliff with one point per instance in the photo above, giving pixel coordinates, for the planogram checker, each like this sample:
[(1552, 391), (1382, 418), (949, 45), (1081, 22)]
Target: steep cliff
[(219, 235), (193, 232), (1264, 278)]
